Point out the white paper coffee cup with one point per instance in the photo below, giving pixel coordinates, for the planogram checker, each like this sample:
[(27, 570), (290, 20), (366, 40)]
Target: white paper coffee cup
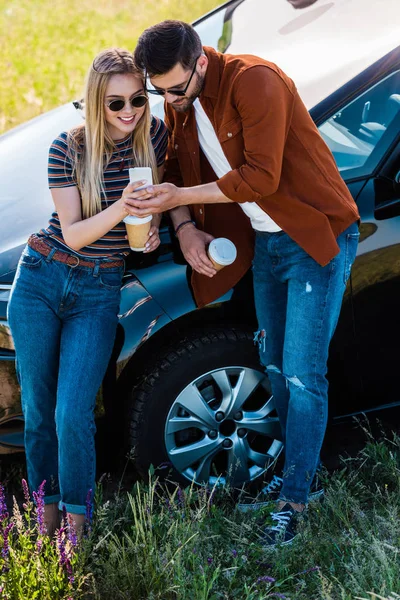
[(222, 252), (137, 229)]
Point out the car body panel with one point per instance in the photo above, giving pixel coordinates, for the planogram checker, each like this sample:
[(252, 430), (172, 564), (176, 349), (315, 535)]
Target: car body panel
[(25, 201), (332, 40), (139, 316)]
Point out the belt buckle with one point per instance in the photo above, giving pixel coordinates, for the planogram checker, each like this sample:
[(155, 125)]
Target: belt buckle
[(77, 264)]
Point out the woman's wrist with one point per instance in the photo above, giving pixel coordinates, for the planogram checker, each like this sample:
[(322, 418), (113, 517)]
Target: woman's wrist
[(156, 220), (120, 206)]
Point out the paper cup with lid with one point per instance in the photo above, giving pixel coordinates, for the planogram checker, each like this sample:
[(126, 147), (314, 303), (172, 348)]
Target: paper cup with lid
[(222, 252), (137, 229)]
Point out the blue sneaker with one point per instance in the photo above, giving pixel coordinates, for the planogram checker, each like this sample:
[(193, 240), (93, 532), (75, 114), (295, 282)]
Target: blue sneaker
[(284, 527), (270, 493)]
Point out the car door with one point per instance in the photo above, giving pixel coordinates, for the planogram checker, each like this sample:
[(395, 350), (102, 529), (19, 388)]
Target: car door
[(364, 138), (376, 285)]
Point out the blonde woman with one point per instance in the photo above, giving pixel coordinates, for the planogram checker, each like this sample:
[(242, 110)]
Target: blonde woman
[(64, 302)]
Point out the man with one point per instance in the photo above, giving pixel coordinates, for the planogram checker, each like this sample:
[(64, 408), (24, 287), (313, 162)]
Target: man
[(241, 138)]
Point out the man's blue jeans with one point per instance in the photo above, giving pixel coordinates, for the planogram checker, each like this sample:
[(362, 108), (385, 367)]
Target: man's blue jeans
[(63, 322), (298, 304)]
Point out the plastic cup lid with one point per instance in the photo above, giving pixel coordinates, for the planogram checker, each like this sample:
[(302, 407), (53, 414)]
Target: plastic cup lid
[(222, 251), (132, 220)]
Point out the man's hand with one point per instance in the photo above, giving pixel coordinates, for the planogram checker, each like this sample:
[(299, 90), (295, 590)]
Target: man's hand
[(153, 199), (193, 245)]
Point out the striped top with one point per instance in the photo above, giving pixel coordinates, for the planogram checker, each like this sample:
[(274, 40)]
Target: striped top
[(116, 178)]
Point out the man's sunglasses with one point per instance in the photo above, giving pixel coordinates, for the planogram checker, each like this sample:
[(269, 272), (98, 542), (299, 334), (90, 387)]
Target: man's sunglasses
[(136, 102), (160, 92)]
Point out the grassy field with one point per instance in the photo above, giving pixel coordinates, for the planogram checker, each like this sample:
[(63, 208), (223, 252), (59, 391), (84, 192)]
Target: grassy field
[(158, 543), (48, 45)]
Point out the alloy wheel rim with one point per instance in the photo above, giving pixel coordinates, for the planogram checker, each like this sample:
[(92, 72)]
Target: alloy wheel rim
[(223, 428)]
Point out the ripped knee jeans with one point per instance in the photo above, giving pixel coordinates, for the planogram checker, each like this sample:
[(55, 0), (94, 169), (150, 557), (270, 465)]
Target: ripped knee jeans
[(298, 304)]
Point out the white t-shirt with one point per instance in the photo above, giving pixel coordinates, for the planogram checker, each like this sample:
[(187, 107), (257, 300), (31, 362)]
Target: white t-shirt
[(211, 147)]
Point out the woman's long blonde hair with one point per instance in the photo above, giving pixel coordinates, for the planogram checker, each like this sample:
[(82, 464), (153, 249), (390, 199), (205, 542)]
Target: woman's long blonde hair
[(91, 145)]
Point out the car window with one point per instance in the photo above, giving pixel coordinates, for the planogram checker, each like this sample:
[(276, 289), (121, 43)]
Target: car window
[(354, 131)]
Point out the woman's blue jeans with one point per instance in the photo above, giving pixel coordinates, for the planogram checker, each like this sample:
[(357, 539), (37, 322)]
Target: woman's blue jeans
[(63, 322), (298, 304)]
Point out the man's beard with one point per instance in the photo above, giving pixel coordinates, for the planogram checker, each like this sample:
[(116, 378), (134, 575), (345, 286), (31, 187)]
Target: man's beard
[(187, 101)]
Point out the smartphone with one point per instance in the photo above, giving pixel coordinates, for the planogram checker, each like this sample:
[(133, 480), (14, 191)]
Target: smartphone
[(139, 174)]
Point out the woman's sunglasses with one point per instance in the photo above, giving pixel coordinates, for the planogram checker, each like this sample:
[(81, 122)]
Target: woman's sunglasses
[(136, 102)]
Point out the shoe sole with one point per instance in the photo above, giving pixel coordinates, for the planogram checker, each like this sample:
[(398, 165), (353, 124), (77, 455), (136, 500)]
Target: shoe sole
[(274, 546), (313, 497)]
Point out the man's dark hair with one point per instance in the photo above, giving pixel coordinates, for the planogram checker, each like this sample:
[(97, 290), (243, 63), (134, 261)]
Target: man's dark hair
[(166, 44)]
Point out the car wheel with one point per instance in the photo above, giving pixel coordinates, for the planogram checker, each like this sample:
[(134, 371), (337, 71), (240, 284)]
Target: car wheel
[(204, 411)]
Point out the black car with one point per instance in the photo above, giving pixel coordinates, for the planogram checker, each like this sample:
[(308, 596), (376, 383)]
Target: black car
[(175, 366)]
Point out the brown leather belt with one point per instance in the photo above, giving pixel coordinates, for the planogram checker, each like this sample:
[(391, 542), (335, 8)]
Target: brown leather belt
[(73, 261)]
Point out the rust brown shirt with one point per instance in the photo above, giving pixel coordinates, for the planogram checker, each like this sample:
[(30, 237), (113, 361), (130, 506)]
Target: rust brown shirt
[(278, 159)]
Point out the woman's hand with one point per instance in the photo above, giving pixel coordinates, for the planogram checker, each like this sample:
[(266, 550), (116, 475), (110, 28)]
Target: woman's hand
[(153, 241), (130, 194), (154, 199)]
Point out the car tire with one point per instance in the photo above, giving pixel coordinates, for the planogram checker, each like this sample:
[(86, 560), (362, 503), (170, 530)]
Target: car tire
[(191, 358)]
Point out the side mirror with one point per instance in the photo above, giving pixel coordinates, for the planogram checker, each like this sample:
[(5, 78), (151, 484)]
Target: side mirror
[(387, 197), (396, 184)]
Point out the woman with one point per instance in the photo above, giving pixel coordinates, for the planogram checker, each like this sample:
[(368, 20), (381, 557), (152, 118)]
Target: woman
[(64, 302)]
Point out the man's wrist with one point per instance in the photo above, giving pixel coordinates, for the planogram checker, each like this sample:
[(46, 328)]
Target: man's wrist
[(183, 225), (186, 196)]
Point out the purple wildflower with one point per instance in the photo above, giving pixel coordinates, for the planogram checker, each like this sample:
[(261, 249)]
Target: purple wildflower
[(64, 518), (27, 495), (62, 554), (181, 498), (169, 507), (3, 505), (164, 465), (6, 547), (72, 536), (316, 568), (71, 577), (39, 544), (266, 579), (234, 553), (209, 561), (89, 512), (38, 497), (89, 506)]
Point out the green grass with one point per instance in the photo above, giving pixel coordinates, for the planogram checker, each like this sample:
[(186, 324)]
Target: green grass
[(166, 543), (48, 45), (180, 545)]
